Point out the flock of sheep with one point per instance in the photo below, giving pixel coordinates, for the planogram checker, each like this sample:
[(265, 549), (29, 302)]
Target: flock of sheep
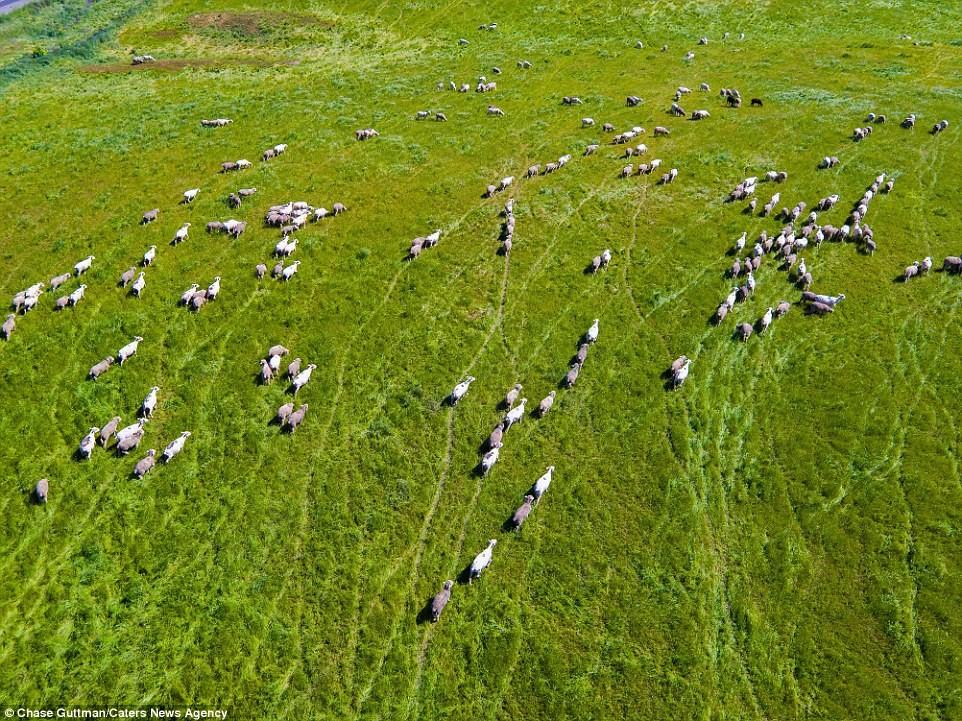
[(784, 249)]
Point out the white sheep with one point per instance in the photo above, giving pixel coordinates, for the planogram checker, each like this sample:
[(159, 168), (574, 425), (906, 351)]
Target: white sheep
[(84, 265), (290, 270), (302, 378), (481, 561), (460, 390), (128, 350), (175, 446), (541, 485)]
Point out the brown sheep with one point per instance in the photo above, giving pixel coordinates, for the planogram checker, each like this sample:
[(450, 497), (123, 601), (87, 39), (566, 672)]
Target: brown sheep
[(100, 368), (440, 600), (260, 270), (296, 418), (521, 515)]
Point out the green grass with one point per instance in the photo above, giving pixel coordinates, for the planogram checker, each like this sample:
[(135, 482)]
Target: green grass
[(777, 540)]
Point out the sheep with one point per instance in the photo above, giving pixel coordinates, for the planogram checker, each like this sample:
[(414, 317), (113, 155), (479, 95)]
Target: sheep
[(587, 122), (130, 442), (215, 226), (131, 430), (175, 447), (582, 353), (678, 364), (926, 265), (127, 276), (548, 168), (495, 440), (281, 246), (277, 270), (488, 460), (268, 154), (290, 270), (744, 331), (545, 406), (505, 183), (661, 130), (951, 264), (515, 415), (138, 285), (234, 201), (832, 300), (572, 376), (721, 312), (540, 486), (632, 101), (88, 443), (819, 309), (496, 111), (571, 100), (283, 413), (149, 403), (9, 325), (129, 350), (260, 270), (766, 320), (98, 369), (481, 561), (909, 122), (627, 170), (700, 115), (756, 102), (532, 171), (189, 195), (246, 192), (150, 216), (237, 230), (108, 430), (440, 117), (59, 280), (911, 271), (267, 374), (464, 88), (145, 464), (228, 166), (198, 300), (188, 294), (805, 281), (782, 308), (440, 600), (84, 265), (181, 234), (302, 378), (365, 134), (41, 491), (280, 148), (512, 395)]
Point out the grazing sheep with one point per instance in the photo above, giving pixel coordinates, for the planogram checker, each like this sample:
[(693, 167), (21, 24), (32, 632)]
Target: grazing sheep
[(145, 464), (175, 447), (532, 171), (488, 460), (59, 280), (128, 443), (521, 515), (582, 353), (237, 229), (756, 102), (700, 115), (228, 166), (744, 331), (129, 350), (100, 368), (302, 378), (149, 256), (595, 264), (138, 285), (181, 234), (545, 406), (495, 110), (926, 265), (260, 270), (267, 373), (632, 101), (215, 226), (911, 271), (548, 168), (571, 100), (108, 430), (131, 430), (127, 276), (283, 413), (541, 485), (296, 418), (721, 312), (150, 216), (88, 443), (782, 308), (909, 122), (515, 415), (805, 281), (495, 440), (290, 270), (512, 395), (42, 490), (591, 335), (481, 561), (189, 195), (149, 403), (198, 300), (627, 170), (505, 183), (188, 294), (766, 320), (951, 264), (440, 117), (572, 376), (587, 122), (680, 374), (84, 265), (661, 130), (9, 325), (819, 309), (440, 600)]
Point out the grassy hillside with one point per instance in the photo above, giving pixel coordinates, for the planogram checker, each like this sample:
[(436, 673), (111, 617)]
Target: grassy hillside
[(779, 539)]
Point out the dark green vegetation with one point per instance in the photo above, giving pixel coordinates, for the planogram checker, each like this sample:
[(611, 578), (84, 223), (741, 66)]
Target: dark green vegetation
[(777, 540)]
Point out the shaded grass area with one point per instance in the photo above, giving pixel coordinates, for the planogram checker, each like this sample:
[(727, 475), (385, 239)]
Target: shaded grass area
[(775, 540)]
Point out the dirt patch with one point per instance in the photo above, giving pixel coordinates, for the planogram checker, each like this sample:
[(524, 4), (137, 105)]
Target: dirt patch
[(175, 65), (254, 23)]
